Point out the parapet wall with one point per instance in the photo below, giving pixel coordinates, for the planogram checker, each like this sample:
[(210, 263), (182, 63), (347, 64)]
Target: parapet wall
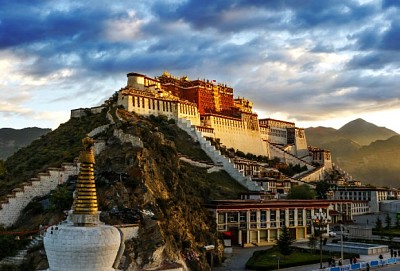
[(82, 112), (287, 157), (16, 201)]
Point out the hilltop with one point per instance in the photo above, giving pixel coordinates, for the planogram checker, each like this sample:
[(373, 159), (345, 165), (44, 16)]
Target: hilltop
[(366, 151), (12, 140)]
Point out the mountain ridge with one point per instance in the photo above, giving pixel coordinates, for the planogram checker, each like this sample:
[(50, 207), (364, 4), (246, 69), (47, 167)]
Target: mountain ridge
[(364, 150), (11, 140)]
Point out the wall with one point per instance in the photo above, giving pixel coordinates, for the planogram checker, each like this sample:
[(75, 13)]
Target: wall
[(82, 112), (216, 156), (301, 143), (235, 133), (146, 105), (287, 157), (128, 138), (35, 187), (316, 175)]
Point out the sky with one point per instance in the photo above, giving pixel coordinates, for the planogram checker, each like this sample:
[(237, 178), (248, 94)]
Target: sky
[(313, 62)]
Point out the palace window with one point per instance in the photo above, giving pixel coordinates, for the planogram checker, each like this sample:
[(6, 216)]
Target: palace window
[(221, 218), (253, 219), (282, 215), (299, 217), (273, 215), (263, 219), (243, 220), (232, 217)]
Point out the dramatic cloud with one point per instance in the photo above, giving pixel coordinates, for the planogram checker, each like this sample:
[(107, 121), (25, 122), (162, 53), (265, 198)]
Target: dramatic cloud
[(303, 60)]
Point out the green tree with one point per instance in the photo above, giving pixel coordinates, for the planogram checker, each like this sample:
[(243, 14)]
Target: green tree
[(303, 191), (61, 199), (378, 224), (322, 189), (312, 242), (285, 241), (8, 246), (388, 222), (397, 222), (2, 168)]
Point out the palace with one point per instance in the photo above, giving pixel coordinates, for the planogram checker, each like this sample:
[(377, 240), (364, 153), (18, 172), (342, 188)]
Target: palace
[(212, 110)]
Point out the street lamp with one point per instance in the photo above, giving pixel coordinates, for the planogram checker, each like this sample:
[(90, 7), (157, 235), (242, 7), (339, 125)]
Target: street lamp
[(320, 221), (277, 258), (341, 241)]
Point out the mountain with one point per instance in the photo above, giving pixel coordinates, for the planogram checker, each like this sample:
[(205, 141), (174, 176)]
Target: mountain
[(367, 152), (363, 132), (134, 180), (12, 140)]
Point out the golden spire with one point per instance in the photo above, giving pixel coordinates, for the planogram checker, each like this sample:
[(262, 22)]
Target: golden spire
[(86, 199)]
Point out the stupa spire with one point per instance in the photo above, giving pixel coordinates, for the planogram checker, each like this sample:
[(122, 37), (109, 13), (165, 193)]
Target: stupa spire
[(86, 198)]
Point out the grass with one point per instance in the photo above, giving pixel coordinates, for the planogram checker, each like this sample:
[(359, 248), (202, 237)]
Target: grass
[(211, 186), (267, 259)]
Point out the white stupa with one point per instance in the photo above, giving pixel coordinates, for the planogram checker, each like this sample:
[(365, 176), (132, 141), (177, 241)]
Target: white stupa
[(82, 242)]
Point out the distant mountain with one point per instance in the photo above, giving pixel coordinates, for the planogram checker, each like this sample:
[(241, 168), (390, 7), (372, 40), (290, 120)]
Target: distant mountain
[(367, 152), (377, 163), (363, 132), (12, 140)]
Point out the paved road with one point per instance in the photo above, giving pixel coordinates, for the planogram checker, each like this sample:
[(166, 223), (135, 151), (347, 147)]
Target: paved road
[(237, 260)]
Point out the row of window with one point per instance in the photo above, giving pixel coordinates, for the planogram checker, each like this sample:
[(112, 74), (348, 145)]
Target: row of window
[(275, 215), (276, 132), (161, 105)]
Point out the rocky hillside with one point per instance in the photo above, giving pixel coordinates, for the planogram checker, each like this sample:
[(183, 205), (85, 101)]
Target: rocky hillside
[(366, 151), (12, 140), (147, 183)]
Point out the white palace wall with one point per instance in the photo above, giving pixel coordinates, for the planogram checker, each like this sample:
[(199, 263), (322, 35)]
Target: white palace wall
[(216, 156), (233, 133), (36, 187), (135, 101)]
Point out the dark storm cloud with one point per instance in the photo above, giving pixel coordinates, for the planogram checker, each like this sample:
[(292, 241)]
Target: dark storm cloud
[(374, 60), (301, 14), (272, 51), (390, 3), (26, 24)]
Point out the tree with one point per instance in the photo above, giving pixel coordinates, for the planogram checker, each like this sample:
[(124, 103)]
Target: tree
[(388, 221), (8, 246), (322, 189), (285, 241), (61, 199), (301, 192), (397, 222), (378, 224), (312, 242), (2, 168)]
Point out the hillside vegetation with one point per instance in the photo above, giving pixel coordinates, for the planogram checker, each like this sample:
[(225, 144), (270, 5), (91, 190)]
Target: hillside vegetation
[(50, 150)]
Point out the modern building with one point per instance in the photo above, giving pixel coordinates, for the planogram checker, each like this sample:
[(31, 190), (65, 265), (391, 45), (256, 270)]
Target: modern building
[(259, 222)]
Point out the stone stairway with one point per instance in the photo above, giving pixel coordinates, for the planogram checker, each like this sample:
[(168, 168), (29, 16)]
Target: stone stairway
[(18, 199), (299, 160), (216, 156), (18, 259), (37, 241)]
